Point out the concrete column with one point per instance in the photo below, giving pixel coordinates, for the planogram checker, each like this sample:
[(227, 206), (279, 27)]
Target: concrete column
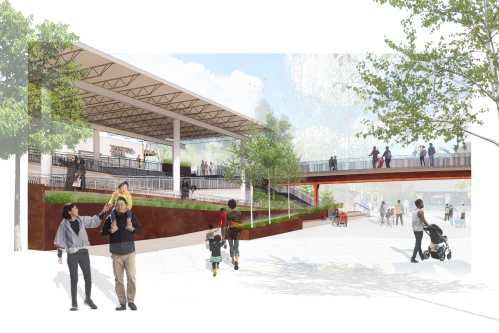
[(46, 168), (245, 188), (96, 143), (316, 195), (176, 155)]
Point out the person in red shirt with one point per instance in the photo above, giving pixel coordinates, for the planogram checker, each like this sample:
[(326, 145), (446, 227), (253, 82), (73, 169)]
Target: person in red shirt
[(222, 223)]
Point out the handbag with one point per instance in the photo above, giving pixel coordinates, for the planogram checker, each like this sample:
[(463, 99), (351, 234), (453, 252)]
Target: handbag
[(77, 182)]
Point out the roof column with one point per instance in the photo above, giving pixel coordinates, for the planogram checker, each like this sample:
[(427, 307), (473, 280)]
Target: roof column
[(96, 144), (176, 155)]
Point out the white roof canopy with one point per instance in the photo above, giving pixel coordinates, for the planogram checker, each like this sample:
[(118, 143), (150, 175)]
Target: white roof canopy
[(121, 97)]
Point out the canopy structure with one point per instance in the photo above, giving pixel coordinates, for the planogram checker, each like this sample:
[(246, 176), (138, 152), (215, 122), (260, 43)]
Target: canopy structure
[(123, 99), (120, 96)]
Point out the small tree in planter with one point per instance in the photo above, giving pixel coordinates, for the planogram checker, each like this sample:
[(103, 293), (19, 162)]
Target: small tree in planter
[(263, 155), (244, 158), (290, 171)]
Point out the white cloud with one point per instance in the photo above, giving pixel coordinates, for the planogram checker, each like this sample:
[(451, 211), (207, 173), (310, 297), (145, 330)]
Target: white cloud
[(238, 90), (325, 77)]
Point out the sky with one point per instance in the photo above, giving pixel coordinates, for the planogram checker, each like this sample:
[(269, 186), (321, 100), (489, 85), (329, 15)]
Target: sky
[(297, 70)]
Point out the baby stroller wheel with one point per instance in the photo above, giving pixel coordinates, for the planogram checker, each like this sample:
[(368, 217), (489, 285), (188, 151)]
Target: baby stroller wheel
[(426, 254), (449, 255)]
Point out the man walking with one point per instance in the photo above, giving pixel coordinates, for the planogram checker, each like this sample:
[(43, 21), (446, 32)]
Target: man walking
[(399, 213), (331, 163), (122, 248), (431, 154), (335, 163), (374, 153), (387, 155), (234, 220), (418, 222)]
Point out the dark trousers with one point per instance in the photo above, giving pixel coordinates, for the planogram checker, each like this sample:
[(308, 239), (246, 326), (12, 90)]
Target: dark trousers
[(432, 160), (79, 258), (421, 160), (387, 161), (234, 246), (375, 161), (83, 183), (417, 245)]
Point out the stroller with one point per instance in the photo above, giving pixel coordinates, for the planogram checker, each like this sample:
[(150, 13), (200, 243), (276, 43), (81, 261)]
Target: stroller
[(439, 248)]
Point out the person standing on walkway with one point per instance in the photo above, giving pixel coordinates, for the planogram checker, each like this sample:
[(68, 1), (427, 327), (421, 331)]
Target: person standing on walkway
[(374, 153), (431, 154), (382, 211), (422, 156), (418, 222), (234, 220), (82, 172), (451, 214), (71, 236), (122, 248), (335, 163), (70, 172), (331, 163), (399, 213), (387, 155), (446, 213)]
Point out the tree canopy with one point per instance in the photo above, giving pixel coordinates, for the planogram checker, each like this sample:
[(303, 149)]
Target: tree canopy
[(39, 104), (428, 92)]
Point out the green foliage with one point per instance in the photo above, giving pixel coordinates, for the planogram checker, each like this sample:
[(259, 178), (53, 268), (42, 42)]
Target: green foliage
[(279, 201), (428, 92), (280, 219), (327, 200), (60, 197), (265, 154), (39, 104), (185, 164)]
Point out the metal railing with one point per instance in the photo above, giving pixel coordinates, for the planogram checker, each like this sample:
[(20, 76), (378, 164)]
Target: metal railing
[(294, 192), (97, 165), (140, 185), (440, 161), (210, 183)]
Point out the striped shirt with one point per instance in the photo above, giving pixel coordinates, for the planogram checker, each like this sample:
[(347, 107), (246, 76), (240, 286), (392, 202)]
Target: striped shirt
[(67, 239)]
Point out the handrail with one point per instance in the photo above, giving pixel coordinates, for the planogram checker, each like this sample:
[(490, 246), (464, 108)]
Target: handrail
[(440, 161), (142, 185)]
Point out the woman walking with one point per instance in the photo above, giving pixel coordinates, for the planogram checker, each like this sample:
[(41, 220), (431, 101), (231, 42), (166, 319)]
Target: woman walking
[(418, 222), (72, 237)]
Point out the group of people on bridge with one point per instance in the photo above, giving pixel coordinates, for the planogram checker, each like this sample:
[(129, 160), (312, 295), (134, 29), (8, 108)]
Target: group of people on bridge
[(386, 158)]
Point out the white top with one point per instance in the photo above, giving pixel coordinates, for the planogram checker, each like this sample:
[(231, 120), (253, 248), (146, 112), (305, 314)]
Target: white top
[(417, 224)]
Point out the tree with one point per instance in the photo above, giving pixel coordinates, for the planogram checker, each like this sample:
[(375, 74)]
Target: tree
[(290, 170), (39, 105), (263, 155), (244, 165), (427, 93), (327, 200)]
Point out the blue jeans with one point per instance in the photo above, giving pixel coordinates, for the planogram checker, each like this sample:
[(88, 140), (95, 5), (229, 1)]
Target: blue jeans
[(234, 247)]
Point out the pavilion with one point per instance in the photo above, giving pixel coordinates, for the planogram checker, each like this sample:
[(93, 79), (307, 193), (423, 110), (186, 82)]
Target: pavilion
[(122, 99)]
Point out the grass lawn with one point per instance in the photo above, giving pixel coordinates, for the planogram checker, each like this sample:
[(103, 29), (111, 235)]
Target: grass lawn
[(263, 222), (62, 197)]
